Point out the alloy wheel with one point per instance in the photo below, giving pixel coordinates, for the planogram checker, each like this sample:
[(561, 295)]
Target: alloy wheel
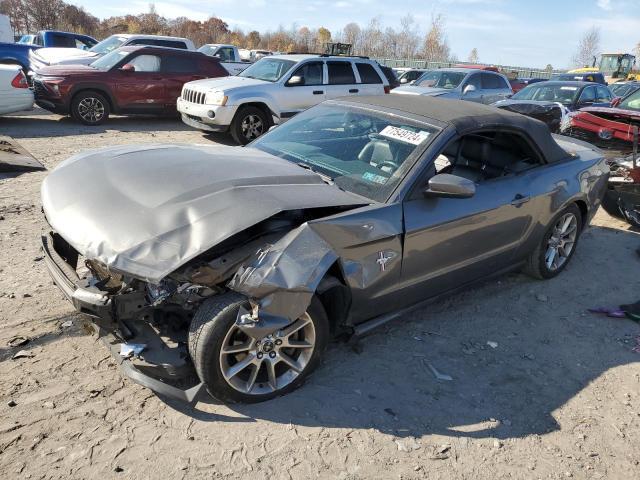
[(252, 127), (269, 364), (91, 109), (561, 243)]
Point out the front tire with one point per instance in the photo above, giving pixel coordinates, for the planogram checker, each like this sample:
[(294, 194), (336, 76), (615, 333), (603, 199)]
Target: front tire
[(558, 245), (248, 124), (90, 108), (236, 368)]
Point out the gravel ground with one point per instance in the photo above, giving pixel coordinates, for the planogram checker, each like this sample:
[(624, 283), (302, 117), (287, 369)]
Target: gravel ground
[(557, 395)]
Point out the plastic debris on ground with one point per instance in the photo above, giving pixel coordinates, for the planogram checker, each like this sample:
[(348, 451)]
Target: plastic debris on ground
[(128, 350), (437, 374)]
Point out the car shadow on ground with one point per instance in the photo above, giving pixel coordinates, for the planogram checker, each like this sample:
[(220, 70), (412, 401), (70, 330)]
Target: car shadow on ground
[(547, 352), (39, 123)]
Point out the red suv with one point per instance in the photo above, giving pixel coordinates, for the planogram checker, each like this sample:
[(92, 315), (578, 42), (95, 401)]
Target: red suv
[(130, 80)]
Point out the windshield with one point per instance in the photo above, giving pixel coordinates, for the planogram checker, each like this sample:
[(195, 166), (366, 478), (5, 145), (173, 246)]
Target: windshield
[(632, 102), (28, 39), (109, 60), (440, 79), (208, 49), (623, 89), (565, 94), (364, 152), (609, 63), (107, 45), (268, 69)]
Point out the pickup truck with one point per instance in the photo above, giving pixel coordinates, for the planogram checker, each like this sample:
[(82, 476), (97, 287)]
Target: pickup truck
[(18, 53), (229, 56), (45, 57)]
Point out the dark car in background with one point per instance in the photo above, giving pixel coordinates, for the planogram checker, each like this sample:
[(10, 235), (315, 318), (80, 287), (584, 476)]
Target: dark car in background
[(595, 77), (391, 76), (550, 101), (130, 80)]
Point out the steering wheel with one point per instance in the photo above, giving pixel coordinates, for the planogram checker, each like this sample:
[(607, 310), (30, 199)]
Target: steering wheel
[(388, 163), (375, 136)]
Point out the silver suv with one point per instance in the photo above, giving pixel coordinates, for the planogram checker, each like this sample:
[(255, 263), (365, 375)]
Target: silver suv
[(475, 85), (274, 89)]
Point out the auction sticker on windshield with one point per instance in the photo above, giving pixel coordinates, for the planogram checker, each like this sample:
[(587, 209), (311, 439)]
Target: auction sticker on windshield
[(573, 89), (403, 135)]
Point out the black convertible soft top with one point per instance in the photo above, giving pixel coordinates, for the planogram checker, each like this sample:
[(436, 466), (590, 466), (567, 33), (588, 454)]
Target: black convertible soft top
[(467, 117)]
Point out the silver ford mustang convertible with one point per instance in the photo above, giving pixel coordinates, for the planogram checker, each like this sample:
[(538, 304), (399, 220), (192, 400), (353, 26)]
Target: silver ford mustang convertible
[(230, 268)]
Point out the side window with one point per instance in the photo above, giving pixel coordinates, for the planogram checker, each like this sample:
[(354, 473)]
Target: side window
[(588, 95), (603, 95), (146, 63), (341, 73), (39, 40), (475, 81), (492, 82), (84, 44), (63, 41), (226, 54), (179, 64), (487, 155), (311, 73), (171, 43), (368, 74)]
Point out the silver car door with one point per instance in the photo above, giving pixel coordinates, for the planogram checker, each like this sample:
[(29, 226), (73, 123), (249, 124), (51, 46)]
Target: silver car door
[(341, 79), (370, 81), (309, 91), (473, 94)]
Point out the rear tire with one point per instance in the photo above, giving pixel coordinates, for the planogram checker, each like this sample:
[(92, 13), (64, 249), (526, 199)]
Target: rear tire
[(557, 247), (248, 124), (218, 349), (90, 108)]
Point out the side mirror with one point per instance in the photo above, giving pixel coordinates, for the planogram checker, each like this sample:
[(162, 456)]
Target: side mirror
[(468, 89), (296, 81), (127, 67), (450, 186), (616, 101), (404, 80)]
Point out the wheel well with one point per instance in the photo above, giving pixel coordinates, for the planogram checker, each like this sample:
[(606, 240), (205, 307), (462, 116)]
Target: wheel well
[(98, 90), (582, 205), (335, 296), (260, 106)]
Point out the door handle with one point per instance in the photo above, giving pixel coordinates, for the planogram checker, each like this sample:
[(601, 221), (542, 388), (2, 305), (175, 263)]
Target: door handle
[(354, 90), (519, 200), (318, 92)]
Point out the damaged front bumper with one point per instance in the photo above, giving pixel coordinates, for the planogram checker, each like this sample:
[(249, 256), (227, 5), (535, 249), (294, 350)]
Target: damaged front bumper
[(164, 366)]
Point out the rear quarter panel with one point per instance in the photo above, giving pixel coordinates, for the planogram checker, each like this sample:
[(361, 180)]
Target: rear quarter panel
[(582, 179)]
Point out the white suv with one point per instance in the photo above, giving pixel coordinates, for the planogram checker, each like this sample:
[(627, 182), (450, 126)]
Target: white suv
[(274, 89)]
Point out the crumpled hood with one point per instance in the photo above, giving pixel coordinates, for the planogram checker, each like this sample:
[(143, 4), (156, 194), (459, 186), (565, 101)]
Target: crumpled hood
[(417, 90), (53, 56), (146, 211), (226, 84)]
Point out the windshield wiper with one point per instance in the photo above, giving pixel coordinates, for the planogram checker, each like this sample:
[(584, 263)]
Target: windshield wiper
[(326, 178)]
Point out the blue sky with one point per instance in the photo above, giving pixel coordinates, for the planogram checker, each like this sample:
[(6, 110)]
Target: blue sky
[(509, 32)]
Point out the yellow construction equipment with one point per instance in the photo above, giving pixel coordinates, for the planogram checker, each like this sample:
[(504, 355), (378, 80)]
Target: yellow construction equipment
[(614, 66)]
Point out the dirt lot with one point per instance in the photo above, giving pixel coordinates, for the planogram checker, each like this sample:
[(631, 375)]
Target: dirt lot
[(558, 396)]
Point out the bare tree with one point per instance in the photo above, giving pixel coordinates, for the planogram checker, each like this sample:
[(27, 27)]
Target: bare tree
[(351, 33), (473, 56), (408, 38), (588, 48), (435, 47)]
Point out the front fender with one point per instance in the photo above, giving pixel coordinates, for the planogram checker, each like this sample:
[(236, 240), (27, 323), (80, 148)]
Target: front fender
[(241, 98)]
